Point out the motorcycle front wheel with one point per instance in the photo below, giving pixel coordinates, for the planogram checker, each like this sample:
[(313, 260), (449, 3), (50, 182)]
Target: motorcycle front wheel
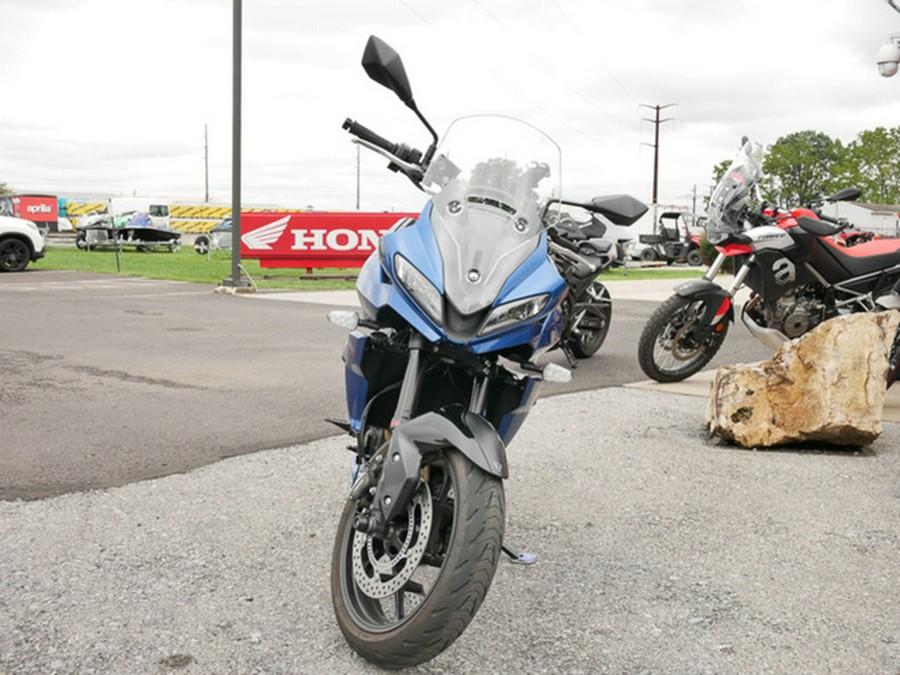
[(402, 601), (591, 330), (668, 350)]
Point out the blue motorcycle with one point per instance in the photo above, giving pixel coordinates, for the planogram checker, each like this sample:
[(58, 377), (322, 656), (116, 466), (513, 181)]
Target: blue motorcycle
[(455, 307)]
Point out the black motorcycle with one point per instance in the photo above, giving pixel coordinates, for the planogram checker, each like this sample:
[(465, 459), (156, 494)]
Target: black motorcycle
[(580, 252)]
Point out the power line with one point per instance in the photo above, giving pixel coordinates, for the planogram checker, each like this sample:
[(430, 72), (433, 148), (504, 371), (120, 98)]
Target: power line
[(414, 11)]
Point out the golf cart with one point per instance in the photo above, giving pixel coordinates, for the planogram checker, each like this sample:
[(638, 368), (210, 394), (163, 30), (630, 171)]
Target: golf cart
[(673, 241)]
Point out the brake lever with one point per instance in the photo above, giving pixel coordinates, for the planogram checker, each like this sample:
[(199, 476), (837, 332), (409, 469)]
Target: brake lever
[(413, 171)]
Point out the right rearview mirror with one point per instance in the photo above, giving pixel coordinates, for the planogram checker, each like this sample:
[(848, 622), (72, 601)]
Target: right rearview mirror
[(849, 194), (384, 65)]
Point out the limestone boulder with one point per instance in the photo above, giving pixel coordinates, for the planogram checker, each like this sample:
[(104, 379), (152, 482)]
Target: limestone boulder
[(826, 386)]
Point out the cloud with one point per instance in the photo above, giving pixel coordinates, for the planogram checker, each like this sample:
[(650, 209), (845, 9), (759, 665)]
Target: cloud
[(113, 96)]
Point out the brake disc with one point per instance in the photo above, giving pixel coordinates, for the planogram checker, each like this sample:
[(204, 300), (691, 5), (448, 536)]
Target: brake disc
[(379, 574)]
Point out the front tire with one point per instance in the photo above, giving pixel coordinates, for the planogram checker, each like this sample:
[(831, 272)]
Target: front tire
[(400, 603), (694, 259), (592, 329), (668, 350)]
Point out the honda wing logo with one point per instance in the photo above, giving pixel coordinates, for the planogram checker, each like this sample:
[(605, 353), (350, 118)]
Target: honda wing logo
[(262, 238)]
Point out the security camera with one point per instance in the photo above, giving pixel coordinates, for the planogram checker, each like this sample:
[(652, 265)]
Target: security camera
[(889, 56)]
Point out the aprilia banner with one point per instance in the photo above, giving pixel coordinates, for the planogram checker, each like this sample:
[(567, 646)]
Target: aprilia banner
[(313, 239)]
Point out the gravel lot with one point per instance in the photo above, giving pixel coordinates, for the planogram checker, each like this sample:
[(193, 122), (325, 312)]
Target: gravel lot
[(660, 551)]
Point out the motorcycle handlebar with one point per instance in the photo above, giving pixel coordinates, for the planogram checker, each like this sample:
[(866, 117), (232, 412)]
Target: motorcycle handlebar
[(368, 135), (829, 219)]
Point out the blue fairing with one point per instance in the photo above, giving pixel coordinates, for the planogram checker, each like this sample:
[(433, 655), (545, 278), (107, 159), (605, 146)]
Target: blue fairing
[(378, 289), (356, 385)]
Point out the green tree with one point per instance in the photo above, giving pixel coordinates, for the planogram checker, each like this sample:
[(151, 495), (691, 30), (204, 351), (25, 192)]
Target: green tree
[(6, 189), (499, 173), (801, 167), (872, 163)]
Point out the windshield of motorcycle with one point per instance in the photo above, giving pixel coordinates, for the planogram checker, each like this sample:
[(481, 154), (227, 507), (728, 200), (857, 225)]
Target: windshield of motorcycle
[(490, 179), (734, 193)]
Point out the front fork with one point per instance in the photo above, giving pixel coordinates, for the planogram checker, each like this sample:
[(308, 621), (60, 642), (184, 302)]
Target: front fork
[(387, 481), (739, 278)]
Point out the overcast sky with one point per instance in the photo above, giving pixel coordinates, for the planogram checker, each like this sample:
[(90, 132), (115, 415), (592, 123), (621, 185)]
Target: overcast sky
[(111, 96)]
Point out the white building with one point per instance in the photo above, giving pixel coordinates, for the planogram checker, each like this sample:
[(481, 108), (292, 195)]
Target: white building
[(877, 218)]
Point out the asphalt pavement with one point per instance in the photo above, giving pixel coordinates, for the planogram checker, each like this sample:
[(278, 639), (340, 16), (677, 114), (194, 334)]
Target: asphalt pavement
[(660, 550)]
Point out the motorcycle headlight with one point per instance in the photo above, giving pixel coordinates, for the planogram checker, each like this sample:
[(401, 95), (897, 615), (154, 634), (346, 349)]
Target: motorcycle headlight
[(514, 312), (419, 288)]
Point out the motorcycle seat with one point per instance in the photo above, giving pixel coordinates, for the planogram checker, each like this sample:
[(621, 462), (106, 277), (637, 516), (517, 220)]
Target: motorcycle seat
[(866, 258)]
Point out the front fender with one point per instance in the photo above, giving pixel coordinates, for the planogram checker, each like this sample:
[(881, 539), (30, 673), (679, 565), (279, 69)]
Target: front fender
[(423, 436), (718, 301)]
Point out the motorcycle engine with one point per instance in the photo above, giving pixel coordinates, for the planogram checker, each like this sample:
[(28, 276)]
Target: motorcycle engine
[(795, 313)]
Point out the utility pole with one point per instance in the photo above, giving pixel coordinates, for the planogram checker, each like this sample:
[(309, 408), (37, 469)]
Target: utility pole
[(657, 121)]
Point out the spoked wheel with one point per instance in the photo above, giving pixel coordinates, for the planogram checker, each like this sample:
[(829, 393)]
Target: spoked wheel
[(592, 327), (668, 350), (401, 601), (14, 255)]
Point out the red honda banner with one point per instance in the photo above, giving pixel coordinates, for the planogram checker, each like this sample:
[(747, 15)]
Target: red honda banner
[(313, 240)]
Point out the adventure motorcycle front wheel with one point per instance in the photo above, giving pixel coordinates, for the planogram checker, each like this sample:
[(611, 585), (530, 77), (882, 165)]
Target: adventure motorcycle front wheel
[(669, 350), (592, 326), (403, 600)]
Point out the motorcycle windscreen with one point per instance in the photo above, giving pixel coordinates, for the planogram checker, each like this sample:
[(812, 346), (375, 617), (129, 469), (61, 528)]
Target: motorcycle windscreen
[(491, 175)]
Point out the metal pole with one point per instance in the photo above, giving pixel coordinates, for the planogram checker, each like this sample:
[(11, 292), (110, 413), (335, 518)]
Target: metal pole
[(205, 164), (656, 159), (235, 280), (357, 176)]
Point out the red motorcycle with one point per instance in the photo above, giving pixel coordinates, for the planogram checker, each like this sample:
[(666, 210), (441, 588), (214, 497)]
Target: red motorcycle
[(798, 276)]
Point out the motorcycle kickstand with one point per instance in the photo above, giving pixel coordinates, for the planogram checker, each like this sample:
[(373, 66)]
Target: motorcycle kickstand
[(522, 558), (570, 357)]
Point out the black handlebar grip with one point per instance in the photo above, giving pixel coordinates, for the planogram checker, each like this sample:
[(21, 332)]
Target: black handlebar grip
[(829, 219), (365, 134)]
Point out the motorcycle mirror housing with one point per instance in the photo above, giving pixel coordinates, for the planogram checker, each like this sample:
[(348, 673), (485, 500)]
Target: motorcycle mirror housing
[(384, 65), (848, 194)]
